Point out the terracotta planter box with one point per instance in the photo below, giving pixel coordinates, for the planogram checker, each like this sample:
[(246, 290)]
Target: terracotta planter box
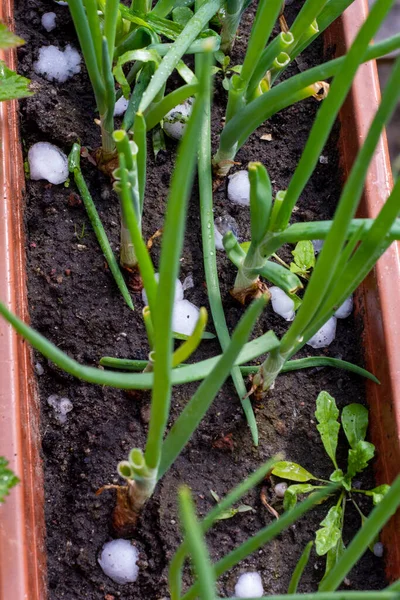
[(22, 550)]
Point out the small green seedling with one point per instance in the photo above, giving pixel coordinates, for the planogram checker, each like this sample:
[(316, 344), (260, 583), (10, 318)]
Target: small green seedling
[(354, 420), (225, 68), (304, 259), (7, 479), (12, 85), (231, 512)]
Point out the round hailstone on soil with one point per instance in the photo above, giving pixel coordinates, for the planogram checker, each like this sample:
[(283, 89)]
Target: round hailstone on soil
[(280, 489), (120, 107), (46, 161), (176, 119), (184, 317), (178, 291), (325, 335), (49, 21), (118, 560), (239, 188), (61, 406), (345, 309), (221, 226), (57, 65), (249, 585), (281, 303)]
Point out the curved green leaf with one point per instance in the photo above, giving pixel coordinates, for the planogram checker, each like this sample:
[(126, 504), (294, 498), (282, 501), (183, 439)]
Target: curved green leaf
[(330, 533), (290, 497), (359, 457), (326, 415), (355, 423), (292, 471), (378, 493), (12, 85), (8, 39)]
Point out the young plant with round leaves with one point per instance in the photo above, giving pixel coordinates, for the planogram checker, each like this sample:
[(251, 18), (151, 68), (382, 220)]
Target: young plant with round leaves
[(354, 420)]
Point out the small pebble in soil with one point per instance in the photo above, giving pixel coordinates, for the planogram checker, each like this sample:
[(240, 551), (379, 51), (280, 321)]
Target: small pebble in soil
[(317, 245), (282, 305), (325, 335), (178, 291), (249, 585), (46, 161), (280, 489), (184, 317), (345, 309), (378, 549), (323, 159), (221, 226), (120, 107), (61, 406), (176, 119), (57, 65), (39, 369), (239, 188), (118, 560), (49, 21)]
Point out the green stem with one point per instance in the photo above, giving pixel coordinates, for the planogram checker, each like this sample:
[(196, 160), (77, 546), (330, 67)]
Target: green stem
[(172, 243), (110, 25), (196, 545), (158, 110), (173, 56), (210, 262), (230, 25), (74, 167)]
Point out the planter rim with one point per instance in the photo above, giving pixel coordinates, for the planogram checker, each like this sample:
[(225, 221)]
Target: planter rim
[(22, 528), (376, 297), (22, 552)]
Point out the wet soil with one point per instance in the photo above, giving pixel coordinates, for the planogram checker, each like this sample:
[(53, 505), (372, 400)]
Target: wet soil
[(75, 303)]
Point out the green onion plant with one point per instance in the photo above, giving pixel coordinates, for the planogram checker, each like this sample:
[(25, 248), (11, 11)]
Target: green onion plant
[(252, 95)]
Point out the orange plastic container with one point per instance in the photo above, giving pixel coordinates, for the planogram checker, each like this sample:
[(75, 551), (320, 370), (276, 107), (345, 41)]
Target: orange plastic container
[(22, 531)]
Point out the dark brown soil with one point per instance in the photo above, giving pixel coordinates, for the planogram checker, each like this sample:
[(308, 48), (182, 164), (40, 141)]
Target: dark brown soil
[(75, 303)]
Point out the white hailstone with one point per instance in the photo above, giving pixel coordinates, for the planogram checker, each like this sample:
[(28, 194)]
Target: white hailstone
[(317, 245), (120, 106), (280, 489), (178, 291), (249, 585), (46, 161), (239, 188), (39, 369), (184, 317), (61, 406), (378, 549), (49, 21), (61, 2), (281, 303), (345, 309), (221, 226), (58, 65), (176, 119), (188, 283), (118, 560), (325, 335)]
